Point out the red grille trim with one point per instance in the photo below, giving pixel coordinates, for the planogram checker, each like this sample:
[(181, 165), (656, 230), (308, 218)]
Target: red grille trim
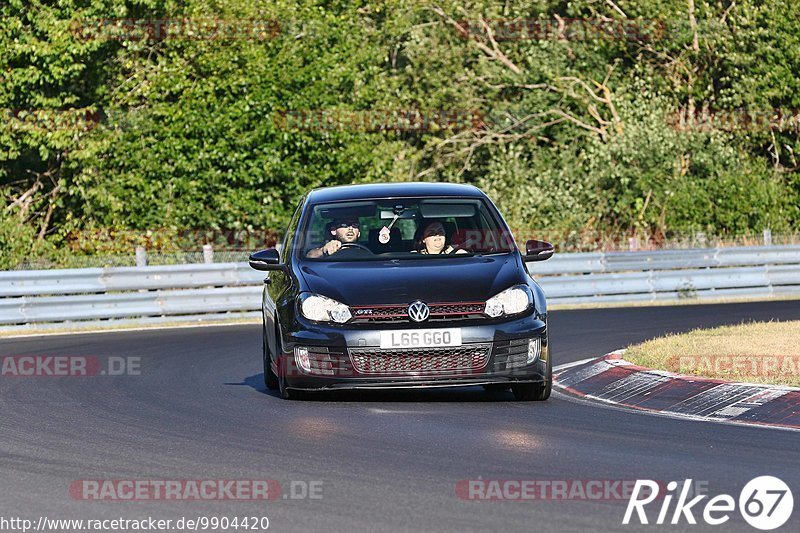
[(400, 311)]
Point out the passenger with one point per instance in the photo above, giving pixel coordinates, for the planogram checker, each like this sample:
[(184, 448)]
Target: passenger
[(343, 231), (434, 242)]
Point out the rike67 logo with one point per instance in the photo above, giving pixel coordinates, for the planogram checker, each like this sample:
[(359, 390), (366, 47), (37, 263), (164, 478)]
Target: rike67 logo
[(765, 503)]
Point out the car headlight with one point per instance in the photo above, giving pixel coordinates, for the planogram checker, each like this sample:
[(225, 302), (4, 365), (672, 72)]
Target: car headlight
[(512, 301), (322, 309)]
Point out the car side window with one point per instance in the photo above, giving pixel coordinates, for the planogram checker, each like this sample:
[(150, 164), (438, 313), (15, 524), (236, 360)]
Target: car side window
[(290, 233)]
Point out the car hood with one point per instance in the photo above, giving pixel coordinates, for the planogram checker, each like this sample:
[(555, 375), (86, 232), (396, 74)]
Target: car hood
[(455, 279)]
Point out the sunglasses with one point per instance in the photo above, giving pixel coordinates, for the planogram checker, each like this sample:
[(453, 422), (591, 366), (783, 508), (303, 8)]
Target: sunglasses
[(433, 230), (352, 224)]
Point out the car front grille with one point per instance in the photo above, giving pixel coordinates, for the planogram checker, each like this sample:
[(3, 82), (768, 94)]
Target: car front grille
[(399, 313), (421, 361)]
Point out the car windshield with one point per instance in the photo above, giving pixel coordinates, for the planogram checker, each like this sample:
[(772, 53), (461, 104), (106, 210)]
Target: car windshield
[(408, 228)]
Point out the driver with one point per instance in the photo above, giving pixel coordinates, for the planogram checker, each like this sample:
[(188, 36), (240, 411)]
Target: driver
[(343, 231)]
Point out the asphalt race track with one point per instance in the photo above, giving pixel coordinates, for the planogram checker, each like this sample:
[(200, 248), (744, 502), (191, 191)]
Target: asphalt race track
[(387, 461)]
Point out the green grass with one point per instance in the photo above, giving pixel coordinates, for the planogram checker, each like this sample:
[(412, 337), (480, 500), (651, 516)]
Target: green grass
[(757, 352)]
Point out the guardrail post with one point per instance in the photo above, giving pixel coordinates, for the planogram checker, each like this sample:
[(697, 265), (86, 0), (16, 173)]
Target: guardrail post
[(141, 256), (700, 238), (208, 253), (767, 237)]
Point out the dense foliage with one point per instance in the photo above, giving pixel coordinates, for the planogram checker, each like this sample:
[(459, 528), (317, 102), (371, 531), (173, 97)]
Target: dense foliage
[(660, 116)]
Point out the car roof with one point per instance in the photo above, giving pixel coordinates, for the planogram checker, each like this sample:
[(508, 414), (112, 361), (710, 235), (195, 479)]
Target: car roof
[(392, 190)]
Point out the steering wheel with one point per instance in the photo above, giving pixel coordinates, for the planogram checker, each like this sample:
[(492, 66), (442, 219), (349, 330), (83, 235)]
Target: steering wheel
[(354, 245)]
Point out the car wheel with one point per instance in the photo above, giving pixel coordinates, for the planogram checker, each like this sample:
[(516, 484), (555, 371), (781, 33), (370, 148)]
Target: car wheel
[(270, 379), (286, 394), (537, 392), (527, 392), (279, 379)]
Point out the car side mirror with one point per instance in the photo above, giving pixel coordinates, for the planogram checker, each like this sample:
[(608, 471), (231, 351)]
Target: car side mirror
[(266, 260), (538, 250)]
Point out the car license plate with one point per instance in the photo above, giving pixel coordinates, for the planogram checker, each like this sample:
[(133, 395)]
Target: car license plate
[(421, 338)]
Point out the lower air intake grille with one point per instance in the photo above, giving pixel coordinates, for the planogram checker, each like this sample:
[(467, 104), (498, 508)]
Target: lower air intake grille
[(421, 361), (323, 361), (510, 354)]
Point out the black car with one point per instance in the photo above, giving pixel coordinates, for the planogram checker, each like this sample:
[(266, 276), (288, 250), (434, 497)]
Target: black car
[(403, 285)]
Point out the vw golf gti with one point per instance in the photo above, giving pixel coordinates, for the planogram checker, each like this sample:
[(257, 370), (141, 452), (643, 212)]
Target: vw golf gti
[(403, 285)]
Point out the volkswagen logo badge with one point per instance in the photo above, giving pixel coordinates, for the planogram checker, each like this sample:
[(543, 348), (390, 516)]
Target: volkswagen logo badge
[(418, 311)]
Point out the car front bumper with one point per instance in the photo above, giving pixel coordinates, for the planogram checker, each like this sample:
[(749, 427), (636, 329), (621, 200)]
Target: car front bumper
[(495, 352)]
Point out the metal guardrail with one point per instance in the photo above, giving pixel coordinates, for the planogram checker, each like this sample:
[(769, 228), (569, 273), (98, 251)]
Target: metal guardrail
[(760, 271), (114, 279), (46, 296)]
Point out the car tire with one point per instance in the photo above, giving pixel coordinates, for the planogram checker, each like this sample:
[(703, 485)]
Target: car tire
[(536, 392), (270, 379), (285, 393), (289, 394)]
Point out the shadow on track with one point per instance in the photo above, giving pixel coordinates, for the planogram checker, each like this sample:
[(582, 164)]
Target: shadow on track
[(256, 382), (461, 394)]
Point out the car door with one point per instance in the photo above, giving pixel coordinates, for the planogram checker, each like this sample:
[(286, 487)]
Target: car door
[(278, 283)]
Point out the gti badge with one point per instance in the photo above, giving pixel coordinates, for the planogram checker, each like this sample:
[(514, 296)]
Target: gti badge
[(418, 311)]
